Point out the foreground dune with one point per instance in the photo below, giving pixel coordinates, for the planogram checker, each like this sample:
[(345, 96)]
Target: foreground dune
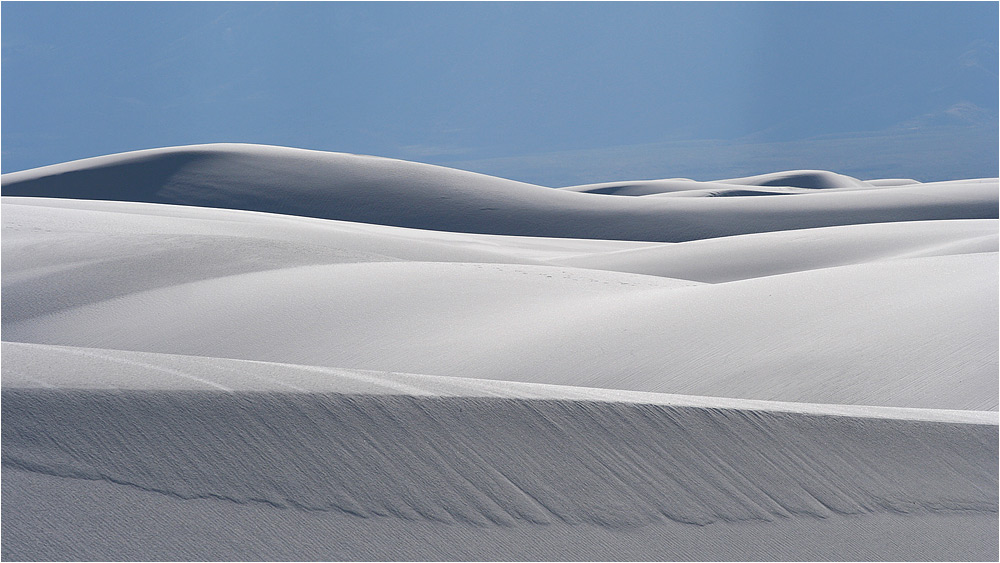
[(330, 356), (472, 455)]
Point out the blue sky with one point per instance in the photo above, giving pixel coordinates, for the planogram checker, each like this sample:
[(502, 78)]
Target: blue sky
[(553, 93)]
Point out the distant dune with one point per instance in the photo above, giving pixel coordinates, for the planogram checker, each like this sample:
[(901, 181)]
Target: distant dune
[(392, 192), (247, 352)]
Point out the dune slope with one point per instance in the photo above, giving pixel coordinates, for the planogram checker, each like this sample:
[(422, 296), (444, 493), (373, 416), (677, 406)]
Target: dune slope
[(766, 254), (463, 476), (392, 192), (474, 463), (238, 352), (883, 330), (913, 332), (484, 461)]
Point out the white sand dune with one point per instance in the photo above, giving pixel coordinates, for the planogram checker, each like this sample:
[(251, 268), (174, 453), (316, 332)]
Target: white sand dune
[(792, 181), (43, 366), (469, 471), (927, 327), (392, 449), (68, 252), (393, 192), (766, 254), (330, 356), (812, 179), (648, 187), (892, 182), (814, 335)]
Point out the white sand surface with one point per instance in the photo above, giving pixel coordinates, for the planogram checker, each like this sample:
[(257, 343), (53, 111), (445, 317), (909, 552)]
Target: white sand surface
[(393, 192), (450, 476), (766, 254), (42, 366), (902, 306), (331, 356), (791, 181)]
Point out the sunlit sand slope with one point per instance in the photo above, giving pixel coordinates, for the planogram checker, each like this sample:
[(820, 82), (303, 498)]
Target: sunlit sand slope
[(767, 254), (918, 333), (908, 332), (238, 352)]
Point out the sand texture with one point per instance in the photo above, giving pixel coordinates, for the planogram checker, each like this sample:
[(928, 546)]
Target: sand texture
[(240, 352)]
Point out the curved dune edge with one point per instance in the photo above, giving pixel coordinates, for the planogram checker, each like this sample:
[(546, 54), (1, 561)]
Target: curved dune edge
[(244, 352), (172, 239), (791, 181), (393, 192), (882, 314), (484, 460), (929, 340), (500, 462), (725, 259), (215, 475), (41, 366)]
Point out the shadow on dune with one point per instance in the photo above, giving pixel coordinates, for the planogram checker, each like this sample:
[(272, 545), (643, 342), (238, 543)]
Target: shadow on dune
[(408, 194)]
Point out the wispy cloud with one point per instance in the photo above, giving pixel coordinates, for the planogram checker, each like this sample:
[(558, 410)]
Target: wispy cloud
[(981, 56)]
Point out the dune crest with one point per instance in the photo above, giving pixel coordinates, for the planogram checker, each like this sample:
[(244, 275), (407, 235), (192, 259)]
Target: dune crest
[(241, 352), (483, 461), (407, 194)]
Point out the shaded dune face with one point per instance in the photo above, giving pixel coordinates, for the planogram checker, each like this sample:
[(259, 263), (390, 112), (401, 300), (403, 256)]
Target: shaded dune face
[(138, 177), (812, 179), (241, 352), (505, 462), (901, 314), (392, 192)]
